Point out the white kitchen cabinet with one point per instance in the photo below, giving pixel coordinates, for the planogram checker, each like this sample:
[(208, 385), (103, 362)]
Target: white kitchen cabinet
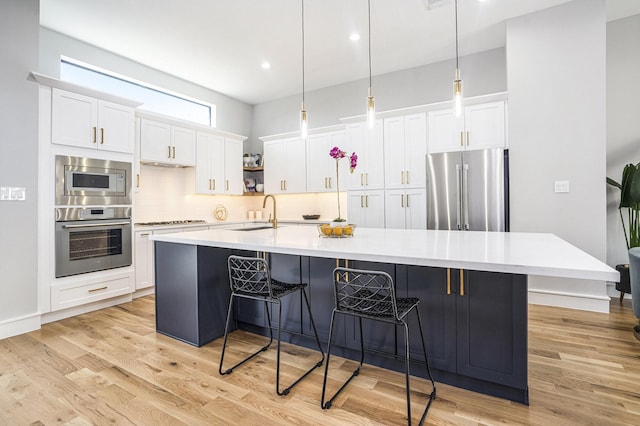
[(406, 208), (481, 126), (218, 165), (87, 122), (321, 168), (405, 149), (143, 259), (233, 167), (369, 147), (166, 144), (366, 208), (285, 166)]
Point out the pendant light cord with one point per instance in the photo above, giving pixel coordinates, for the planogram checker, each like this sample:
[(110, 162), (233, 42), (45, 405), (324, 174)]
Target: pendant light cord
[(302, 52), (456, 34), (369, 13)]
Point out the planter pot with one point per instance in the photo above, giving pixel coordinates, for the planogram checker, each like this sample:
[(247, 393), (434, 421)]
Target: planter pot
[(624, 285), (335, 223)]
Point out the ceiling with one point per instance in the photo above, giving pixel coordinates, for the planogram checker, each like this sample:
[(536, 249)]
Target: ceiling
[(221, 44)]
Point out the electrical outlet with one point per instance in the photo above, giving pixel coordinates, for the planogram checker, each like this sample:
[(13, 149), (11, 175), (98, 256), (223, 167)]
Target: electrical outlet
[(5, 193), (18, 193), (561, 186)]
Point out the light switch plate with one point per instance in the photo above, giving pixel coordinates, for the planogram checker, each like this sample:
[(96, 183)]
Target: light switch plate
[(18, 193), (561, 186), (5, 193)]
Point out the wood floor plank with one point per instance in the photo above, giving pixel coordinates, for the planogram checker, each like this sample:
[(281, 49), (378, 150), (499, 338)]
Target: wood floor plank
[(111, 367)]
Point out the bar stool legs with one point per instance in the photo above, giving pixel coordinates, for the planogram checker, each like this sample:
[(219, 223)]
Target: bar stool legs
[(432, 395), (264, 348)]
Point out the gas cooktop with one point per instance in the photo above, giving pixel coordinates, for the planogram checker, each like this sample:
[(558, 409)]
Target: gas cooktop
[(170, 222)]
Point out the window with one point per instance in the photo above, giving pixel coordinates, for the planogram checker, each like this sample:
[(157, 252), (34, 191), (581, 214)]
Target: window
[(155, 99)]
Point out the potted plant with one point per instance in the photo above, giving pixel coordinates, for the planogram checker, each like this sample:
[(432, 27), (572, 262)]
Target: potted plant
[(337, 154), (629, 188)]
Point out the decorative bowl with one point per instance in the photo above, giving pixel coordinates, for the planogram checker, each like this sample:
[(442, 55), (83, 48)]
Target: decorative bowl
[(344, 231), (311, 216)]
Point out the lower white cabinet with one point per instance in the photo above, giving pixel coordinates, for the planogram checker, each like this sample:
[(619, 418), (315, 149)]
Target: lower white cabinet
[(143, 254), (366, 208), (143, 259), (406, 208), (83, 290)]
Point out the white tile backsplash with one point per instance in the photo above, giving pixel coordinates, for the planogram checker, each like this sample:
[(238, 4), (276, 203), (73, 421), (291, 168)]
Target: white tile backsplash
[(168, 193)]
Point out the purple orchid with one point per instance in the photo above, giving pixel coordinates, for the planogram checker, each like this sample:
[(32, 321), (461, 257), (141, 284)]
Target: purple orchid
[(353, 162), (337, 153)]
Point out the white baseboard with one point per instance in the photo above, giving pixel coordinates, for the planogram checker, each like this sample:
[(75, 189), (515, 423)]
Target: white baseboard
[(15, 326), (585, 302), (144, 292), (83, 309)]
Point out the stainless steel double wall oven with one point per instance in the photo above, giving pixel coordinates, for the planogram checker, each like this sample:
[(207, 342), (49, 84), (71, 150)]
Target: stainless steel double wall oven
[(93, 215)]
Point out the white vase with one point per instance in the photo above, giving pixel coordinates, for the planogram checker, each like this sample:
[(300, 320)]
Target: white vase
[(333, 224)]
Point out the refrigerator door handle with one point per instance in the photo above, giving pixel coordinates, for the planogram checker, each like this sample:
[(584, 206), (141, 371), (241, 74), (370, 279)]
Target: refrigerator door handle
[(465, 189), (458, 194)]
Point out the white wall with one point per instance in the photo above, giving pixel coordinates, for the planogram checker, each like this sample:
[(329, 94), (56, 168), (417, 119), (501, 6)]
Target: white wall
[(557, 131), (483, 73), (19, 22), (232, 115), (623, 121)]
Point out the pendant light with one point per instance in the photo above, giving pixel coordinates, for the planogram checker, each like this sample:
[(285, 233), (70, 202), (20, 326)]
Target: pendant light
[(371, 106), (457, 82), (304, 125)]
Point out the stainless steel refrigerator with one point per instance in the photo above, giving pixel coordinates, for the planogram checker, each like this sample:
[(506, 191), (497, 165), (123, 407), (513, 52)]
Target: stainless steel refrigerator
[(468, 190)]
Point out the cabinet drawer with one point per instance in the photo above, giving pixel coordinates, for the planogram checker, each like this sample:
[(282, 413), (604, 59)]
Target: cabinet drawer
[(80, 293)]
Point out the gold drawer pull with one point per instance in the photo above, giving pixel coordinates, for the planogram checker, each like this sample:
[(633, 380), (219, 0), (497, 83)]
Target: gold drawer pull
[(98, 289)]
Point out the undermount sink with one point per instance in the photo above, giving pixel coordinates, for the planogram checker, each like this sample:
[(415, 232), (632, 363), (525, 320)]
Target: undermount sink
[(253, 228)]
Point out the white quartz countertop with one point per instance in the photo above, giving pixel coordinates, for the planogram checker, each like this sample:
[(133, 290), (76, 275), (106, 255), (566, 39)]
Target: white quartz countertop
[(508, 252)]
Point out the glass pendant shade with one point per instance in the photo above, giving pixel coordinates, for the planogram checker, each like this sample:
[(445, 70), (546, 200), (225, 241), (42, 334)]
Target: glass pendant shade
[(371, 111), (457, 93), (304, 125)]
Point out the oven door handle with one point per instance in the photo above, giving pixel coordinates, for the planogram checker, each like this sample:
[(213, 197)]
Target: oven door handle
[(95, 225)]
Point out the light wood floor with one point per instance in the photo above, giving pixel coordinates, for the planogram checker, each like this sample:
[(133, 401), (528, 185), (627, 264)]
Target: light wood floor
[(110, 367)]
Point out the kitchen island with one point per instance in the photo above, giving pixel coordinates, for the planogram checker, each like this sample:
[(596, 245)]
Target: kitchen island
[(472, 286)]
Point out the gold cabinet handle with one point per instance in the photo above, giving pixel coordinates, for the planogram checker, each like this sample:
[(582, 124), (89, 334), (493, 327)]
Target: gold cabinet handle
[(366, 199), (366, 179), (281, 186), (210, 185), (461, 139), (468, 138), (101, 135), (461, 282), (169, 147), (174, 152), (97, 289), (325, 183), (407, 203), (227, 185), (448, 280), (402, 178), (214, 184), (95, 135), (362, 201), (285, 184), (401, 200), (361, 184), (138, 180), (407, 176), (329, 182)]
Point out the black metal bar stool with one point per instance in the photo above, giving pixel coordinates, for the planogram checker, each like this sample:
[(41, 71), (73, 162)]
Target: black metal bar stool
[(371, 295), (250, 278)]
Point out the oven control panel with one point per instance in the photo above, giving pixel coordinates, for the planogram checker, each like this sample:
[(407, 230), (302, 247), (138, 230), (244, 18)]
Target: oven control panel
[(96, 213)]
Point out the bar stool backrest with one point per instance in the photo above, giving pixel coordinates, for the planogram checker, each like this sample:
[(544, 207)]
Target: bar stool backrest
[(249, 276), (365, 293)]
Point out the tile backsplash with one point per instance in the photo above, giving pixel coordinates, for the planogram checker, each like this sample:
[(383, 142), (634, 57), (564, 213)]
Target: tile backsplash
[(168, 193)]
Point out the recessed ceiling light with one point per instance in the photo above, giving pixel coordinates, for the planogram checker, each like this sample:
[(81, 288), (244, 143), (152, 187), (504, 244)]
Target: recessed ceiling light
[(354, 37), (266, 65)]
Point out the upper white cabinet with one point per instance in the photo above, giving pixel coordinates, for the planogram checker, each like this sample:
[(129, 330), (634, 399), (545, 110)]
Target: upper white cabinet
[(481, 126), (86, 122), (285, 166), (366, 208), (218, 165), (405, 150), (406, 208), (167, 144), (321, 168), (368, 146)]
